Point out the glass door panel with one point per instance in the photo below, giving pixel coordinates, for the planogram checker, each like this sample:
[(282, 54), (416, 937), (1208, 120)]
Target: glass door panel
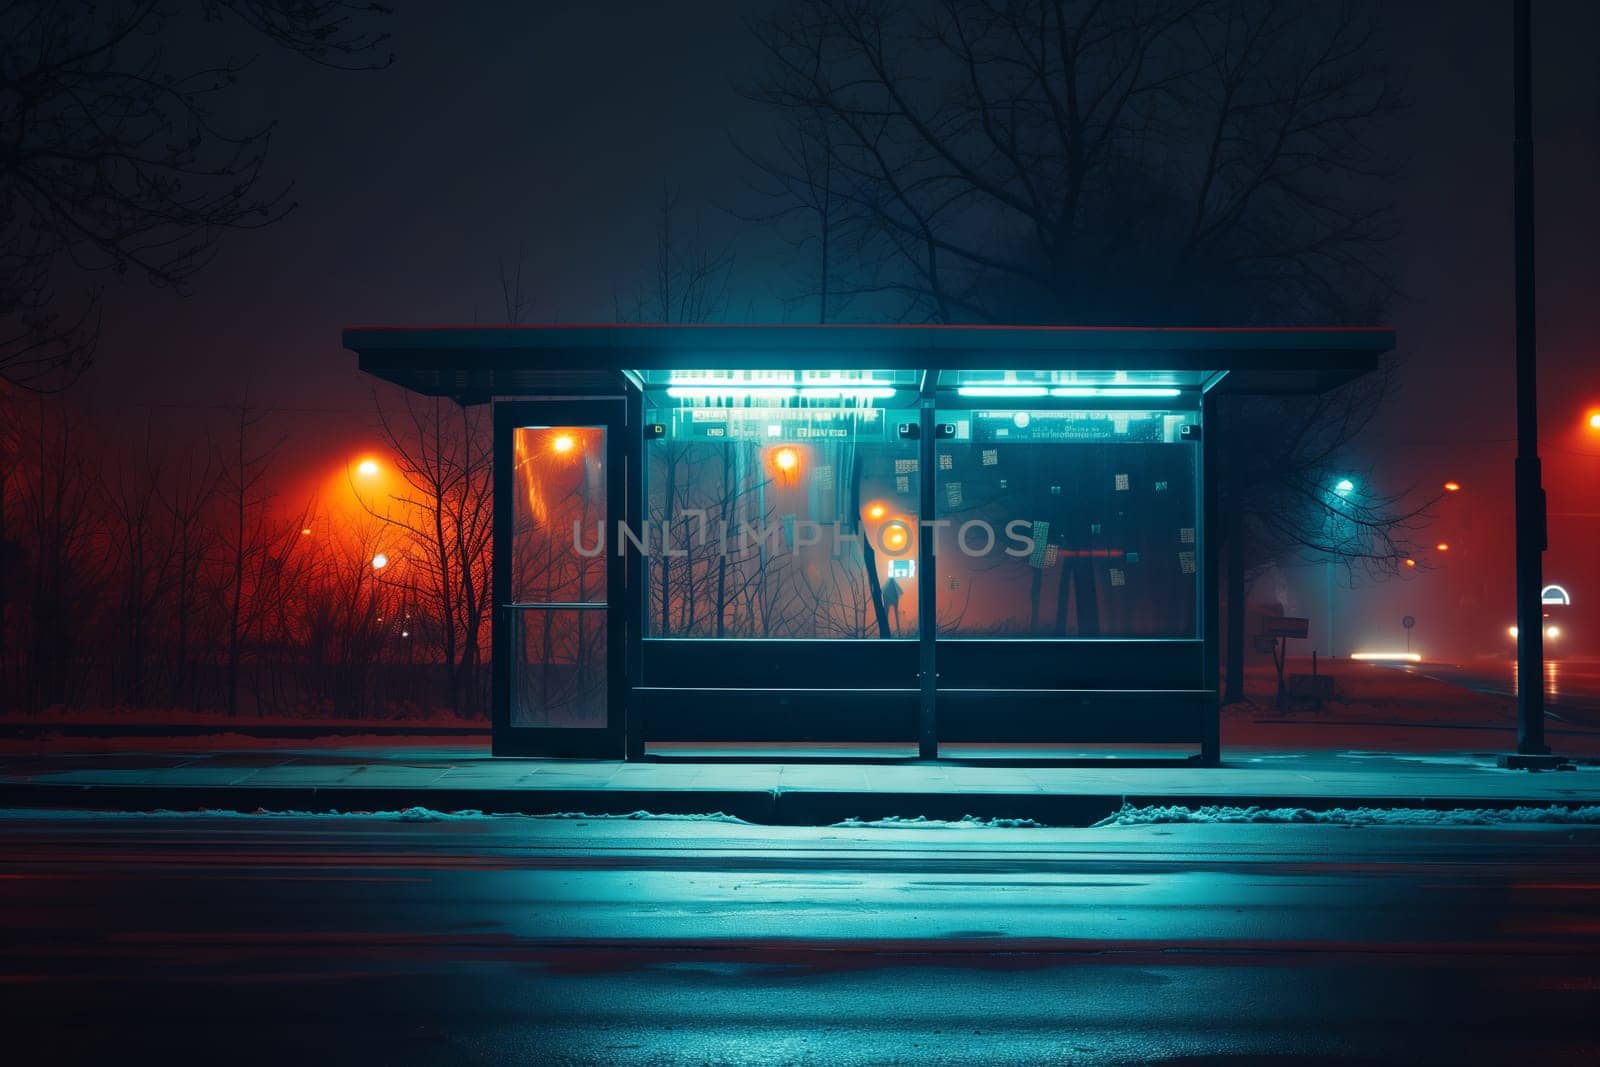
[(559, 653)]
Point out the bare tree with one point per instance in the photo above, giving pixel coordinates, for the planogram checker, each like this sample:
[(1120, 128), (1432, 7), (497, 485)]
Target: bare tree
[(140, 558), (1184, 162), (10, 540), (443, 454), (186, 499), (244, 536), (115, 162), (517, 301), (690, 279), (1284, 460), (61, 543)]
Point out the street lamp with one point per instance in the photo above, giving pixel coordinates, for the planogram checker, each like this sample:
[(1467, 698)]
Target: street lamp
[(1342, 488), (1594, 420), (367, 468)]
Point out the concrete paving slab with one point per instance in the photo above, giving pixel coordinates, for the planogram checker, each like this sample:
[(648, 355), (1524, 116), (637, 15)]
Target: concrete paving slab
[(779, 793)]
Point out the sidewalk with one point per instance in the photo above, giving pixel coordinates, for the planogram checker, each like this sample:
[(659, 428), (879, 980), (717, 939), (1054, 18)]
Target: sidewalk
[(453, 779)]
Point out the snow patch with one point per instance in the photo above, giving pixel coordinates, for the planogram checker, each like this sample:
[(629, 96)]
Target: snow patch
[(922, 822), (416, 813), (1520, 816), (713, 816)]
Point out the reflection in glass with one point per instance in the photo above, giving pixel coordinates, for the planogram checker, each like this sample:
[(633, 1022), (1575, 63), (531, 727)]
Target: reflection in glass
[(558, 668), (781, 522), (1096, 517)]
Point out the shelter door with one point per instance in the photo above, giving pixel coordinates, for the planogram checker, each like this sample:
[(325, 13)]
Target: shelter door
[(559, 636)]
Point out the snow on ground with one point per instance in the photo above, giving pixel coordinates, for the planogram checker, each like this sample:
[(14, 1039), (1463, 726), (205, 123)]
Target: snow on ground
[(416, 813), (1521, 816), (922, 822), (1155, 815)]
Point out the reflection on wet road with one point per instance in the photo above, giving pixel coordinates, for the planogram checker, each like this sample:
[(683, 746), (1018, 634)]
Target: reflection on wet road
[(264, 939), (1571, 687)]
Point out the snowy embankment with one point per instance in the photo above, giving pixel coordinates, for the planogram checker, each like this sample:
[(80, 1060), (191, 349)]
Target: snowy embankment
[(922, 822), (1521, 816), (1154, 815), (411, 814)]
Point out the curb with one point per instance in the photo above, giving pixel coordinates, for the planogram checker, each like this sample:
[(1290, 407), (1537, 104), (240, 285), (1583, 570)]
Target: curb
[(793, 807)]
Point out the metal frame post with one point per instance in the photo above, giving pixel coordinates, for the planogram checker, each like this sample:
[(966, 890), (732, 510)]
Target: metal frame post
[(1530, 502), (1211, 713), (927, 584), (635, 597)]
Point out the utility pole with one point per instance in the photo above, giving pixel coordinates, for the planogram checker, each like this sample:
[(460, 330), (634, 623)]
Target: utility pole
[(1530, 503), (1332, 652)]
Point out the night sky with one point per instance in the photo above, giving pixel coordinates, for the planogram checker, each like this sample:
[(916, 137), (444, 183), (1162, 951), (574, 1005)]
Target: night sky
[(555, 125)]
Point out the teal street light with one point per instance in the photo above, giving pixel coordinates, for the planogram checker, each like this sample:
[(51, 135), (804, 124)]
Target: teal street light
[(1343, 487)]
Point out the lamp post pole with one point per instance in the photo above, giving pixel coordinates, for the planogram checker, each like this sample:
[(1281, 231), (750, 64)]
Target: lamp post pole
[(1530, 503), (1341, 489), (1332, 651)]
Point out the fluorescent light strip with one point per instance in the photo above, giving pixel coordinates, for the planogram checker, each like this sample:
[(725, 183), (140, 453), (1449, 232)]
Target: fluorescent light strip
[(1002, 390), (763, 379), (1388, 657), (834, 382), (1127, 391), (730, 392), (829, 392), (769, 379)]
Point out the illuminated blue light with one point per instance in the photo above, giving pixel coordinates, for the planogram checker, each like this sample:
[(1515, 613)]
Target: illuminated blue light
[(1344, 486), (1099, 390), (729, 392), (828, 392), (1003, 390)]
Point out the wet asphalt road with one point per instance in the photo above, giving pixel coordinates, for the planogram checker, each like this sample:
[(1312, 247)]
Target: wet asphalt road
[(227, 940), (1571, 687)]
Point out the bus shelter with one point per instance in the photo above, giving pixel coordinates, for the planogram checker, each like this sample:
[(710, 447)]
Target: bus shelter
[(906, 541)]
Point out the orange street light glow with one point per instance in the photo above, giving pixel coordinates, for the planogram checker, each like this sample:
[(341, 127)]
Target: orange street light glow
[(367, 468), (305, 531), (1452, 487), (1442, 546), (380, 561), (894, 538), (786, 459), (563, 443), (877, 511), (1411, 563), (1594, 420)]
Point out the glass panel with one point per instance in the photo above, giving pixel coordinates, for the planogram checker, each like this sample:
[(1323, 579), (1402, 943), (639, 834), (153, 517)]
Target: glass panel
[(558, 514), (781, 520), (558, 556), (1142, 380), (1094, 517), (558, 667)]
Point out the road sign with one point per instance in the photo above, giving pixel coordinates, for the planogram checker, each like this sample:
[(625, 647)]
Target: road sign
[(1409, 621), (1286, 626)]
